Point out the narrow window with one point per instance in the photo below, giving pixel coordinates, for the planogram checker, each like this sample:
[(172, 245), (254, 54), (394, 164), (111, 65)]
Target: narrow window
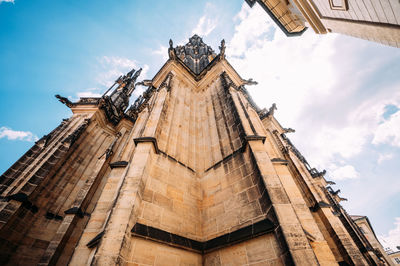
[(339, 5)]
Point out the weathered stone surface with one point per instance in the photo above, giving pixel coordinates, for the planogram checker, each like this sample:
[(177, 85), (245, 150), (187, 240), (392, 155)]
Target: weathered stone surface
[(193, 163)]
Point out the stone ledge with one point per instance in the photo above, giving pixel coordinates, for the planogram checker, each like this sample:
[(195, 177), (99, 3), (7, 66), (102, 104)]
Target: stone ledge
[(242, 234), (119, 164), (279, 161), (147, 139), (255, 137)]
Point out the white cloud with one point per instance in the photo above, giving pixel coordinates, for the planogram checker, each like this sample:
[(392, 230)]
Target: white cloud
[(205, 26), (112, 67), (10, 134), (7, 1), (207, 23), (250, 30), (388, 132), (318, 83), (384, 157), (343, 172), (162, 51), (88, 94), (392, 239)]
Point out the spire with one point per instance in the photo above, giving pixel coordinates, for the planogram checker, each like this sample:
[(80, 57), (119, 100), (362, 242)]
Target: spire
[(116, 104)]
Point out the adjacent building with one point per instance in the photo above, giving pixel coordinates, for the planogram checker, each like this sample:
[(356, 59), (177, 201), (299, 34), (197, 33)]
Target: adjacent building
[(395, 257), (367, 231), (374, 20)]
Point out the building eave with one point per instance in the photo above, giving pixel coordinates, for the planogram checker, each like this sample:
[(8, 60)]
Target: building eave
[(275, 19)]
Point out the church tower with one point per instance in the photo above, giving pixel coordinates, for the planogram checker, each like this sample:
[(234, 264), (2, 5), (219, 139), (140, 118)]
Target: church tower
[(192, 173)]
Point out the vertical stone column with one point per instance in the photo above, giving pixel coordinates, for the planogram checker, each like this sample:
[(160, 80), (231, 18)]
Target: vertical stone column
[(293, 233), (115, 247), (103, 211), (336, 228), (317, 241), (333, 224), (85, 187), (289, 224)]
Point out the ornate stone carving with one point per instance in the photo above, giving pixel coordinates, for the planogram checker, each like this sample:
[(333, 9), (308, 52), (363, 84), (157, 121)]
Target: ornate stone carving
[(89, 100), (272, 109), (167, 81), (288, 130), (64, 100), (110, 149), (222, 50), (116, 104), (196, 55), (142, 101), (227, 81), (315, 173), (77, 132), (146, 82), (171, 50), (249, 82)]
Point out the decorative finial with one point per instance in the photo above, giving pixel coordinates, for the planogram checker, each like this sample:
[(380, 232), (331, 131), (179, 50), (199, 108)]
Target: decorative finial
[(272, 109), (136, 74), (130, 73), (116, 103), (222, 50), (171, 50)]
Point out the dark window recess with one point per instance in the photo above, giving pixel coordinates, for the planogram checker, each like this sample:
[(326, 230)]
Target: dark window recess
[(339, 5)]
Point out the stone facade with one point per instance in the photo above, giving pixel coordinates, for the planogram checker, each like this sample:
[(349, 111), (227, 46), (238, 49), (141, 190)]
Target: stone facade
[(194, 173), (374, 20), (369, 237), (395, 257)]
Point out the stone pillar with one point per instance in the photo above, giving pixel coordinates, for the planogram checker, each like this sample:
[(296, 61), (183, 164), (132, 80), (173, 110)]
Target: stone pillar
[(115, 247), (289, 224), (103, 211), (293, 233)]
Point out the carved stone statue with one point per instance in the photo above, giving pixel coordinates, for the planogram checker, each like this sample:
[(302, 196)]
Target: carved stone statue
[(171, 50), (272, 109), (222, 50)]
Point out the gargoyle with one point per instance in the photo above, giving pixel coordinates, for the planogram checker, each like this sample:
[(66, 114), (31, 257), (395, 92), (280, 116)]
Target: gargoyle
[(64, 100), (289, 130), (249, 82), (146, 82)]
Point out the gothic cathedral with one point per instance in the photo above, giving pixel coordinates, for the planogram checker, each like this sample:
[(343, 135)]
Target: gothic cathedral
[(192, 173)]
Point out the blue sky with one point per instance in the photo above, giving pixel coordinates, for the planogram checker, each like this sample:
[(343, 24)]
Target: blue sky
[(341, 94)]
